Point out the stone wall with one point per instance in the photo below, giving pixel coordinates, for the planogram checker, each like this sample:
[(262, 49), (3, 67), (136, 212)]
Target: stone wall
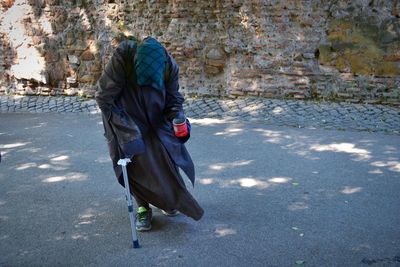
[(336, 49)]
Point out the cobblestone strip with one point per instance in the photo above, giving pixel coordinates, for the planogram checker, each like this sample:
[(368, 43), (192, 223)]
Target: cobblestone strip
[(302, 114), (34, 104), (296, 113)]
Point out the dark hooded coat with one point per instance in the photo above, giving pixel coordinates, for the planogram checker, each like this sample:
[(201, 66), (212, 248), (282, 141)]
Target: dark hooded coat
[(137, 124)]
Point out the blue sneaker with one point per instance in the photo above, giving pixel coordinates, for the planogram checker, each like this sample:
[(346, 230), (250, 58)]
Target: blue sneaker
[(143, 219)]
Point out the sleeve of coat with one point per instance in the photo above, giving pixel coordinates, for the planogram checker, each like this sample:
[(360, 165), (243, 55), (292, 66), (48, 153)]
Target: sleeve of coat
[(174, 99), (117, 123)]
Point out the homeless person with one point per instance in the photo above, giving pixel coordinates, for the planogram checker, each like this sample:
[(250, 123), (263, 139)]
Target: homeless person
[(138, 94)]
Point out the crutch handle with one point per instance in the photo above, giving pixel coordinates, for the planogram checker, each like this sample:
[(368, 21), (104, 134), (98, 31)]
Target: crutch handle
[(124, 162)]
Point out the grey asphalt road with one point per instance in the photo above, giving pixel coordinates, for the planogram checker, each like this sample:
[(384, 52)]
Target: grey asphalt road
[(273, 196)]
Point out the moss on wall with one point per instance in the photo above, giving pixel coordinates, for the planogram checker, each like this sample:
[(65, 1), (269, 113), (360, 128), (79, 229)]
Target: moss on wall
[(359, 45)]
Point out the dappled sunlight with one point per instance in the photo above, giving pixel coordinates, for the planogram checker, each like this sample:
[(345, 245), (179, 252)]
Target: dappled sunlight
[(88, 217), (81, 232), (30, 150), (25, 166), (224, 230), (376, 171), (19, 146), (361, 154), (52, 167), (45, 25), (84, 222), (80, 237), (223, 166), (254, 109), (70, 177), (280, 180), (207, 121), (103, 159), (41, 124), (304, 154), (278, 110), (390, 150), (206, 181), (348, 190), (299, 149), (88, 214), (13, 145), (392, 165), (95, 111), (298, 205), (247, 183), (30, 63), (230, 132), (60, 237), (60, 158), (245, 20), (274, 137)]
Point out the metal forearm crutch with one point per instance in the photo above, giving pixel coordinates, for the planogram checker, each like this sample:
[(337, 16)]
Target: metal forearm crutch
[(123, 163)]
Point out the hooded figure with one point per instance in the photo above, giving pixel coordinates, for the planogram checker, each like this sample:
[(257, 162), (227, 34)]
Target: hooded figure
[(138, 94)]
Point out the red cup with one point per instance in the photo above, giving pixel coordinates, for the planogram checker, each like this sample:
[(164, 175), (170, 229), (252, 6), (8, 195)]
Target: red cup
[(180, 127)]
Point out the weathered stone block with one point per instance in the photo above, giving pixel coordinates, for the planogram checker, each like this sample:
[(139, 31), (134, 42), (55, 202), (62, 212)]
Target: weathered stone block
[(87, 79), (211, 70), (216, 54), (388, 69), (73, 59), (71, 80), (78, 45), (393, 57), (216, 63), (95, 66), (87, 56), (236, 93), (344, 95), (390, 31), (247, 73), (52, 56)]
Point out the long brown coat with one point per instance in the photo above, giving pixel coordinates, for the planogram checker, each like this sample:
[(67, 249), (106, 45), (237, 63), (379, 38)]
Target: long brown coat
[(137, 123)]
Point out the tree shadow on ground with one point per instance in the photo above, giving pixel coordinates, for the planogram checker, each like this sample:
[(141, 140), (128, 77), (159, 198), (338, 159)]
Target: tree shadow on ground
[(278, 186), (310, 185)]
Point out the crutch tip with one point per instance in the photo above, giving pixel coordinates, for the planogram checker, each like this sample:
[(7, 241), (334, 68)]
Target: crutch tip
[(136, 244)]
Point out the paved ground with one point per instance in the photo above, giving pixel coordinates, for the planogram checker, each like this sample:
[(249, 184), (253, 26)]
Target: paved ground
[(297, 113), (273, 196)]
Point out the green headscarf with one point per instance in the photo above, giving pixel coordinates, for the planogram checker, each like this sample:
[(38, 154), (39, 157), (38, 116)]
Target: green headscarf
[(150, 64)]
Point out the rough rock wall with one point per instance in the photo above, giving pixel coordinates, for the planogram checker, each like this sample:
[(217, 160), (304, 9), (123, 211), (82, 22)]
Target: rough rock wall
[(337, 49)]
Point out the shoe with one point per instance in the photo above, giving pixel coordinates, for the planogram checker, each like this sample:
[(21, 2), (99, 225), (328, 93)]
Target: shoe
[(170, 213), (143, 219)]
